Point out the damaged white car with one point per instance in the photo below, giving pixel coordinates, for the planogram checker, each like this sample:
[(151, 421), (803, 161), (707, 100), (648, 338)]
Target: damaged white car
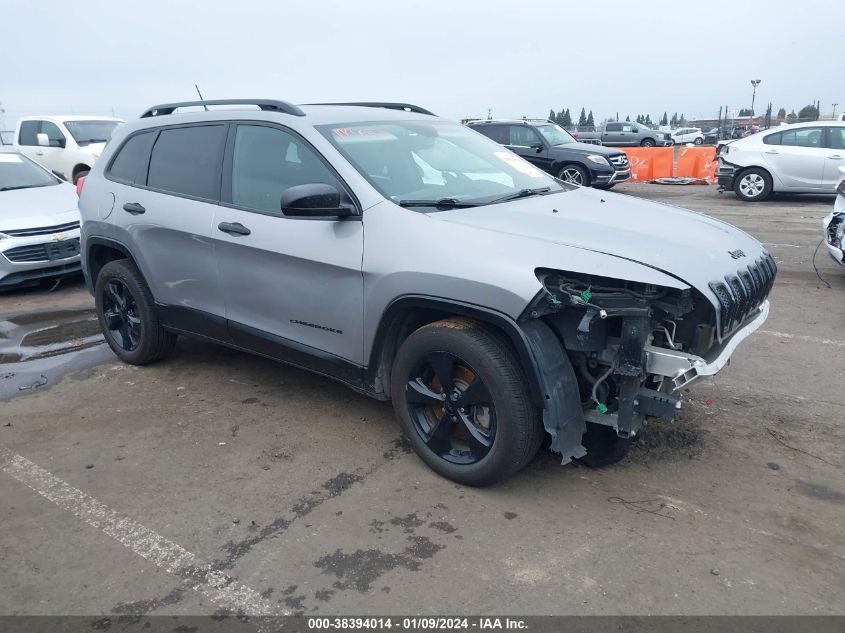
[(834, 224)]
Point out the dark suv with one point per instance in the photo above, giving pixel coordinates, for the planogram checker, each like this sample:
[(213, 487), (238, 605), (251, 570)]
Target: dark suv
[(555, 151)]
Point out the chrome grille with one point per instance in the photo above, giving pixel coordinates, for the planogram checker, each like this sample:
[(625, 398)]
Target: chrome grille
[(41, 230), (43, 252), (619, 161), (741, 294)]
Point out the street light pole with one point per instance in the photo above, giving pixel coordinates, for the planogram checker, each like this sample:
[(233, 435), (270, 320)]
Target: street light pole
[(834, 110), (754, 84)]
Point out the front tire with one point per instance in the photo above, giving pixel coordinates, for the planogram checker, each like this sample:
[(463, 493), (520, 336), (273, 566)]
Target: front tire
[(647, 142), (462, 402), (127, 316), (699, 141), (753, 185), (574, 175)]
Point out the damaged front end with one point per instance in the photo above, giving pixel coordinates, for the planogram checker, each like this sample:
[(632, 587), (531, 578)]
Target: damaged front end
[(633, 346)]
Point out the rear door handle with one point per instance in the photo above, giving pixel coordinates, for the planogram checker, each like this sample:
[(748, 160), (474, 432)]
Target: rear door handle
[(134, 208), (233, 228), (772, 151), (835, 156), (39, 153)]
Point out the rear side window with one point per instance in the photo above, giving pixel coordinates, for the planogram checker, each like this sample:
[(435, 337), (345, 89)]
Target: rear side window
[(131, 159), (772, 139), (29, 133), (187, 160), (613, 127), (498, 133), (803, 137)]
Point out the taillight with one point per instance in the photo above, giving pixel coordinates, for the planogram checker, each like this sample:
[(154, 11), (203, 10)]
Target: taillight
[(79, 183), (575, 135)]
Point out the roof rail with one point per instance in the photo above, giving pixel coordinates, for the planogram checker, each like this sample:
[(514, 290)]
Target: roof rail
[(269, 105), (407, 107)]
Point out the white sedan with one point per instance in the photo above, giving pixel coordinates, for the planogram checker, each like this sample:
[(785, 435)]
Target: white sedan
[(688, 135), (798, 158)]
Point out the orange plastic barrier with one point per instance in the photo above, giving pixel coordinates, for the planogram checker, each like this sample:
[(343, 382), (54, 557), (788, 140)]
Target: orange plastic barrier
[(649, 162), (697, 162)]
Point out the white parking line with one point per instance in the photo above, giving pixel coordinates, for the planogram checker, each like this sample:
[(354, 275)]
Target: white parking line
[(804, 337), (223, 590)]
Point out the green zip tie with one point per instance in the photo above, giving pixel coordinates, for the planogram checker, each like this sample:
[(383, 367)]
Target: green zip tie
[(554, 299), (586, 296), (601, 408)]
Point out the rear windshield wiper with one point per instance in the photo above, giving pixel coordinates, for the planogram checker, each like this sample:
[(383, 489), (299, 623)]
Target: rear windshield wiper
[(443, 203), (522, 193)]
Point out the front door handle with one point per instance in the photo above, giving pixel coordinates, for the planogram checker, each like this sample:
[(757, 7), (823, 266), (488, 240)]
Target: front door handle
[(39, 153), (233, 228), (134, 208), (772, 151), (835, 156)]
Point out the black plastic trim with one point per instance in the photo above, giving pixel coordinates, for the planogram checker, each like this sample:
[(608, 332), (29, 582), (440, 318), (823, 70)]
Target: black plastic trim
[(406, 107), (268, 105), (511, 329)]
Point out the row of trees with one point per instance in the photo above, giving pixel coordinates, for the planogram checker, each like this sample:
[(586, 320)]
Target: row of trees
[(564, 119)]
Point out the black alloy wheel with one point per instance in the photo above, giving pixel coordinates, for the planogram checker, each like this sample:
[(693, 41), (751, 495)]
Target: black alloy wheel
[(120, 313), (451, 409)]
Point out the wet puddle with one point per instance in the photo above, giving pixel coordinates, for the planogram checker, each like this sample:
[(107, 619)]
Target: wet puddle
[(37, 348)]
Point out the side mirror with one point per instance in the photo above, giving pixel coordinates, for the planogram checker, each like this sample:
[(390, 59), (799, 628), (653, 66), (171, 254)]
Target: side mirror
[(43, 139), (315, 200), (539, 147)]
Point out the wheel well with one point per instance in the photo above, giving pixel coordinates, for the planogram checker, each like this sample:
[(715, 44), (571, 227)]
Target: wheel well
[(101, 254), (400, 321), (79, 168)]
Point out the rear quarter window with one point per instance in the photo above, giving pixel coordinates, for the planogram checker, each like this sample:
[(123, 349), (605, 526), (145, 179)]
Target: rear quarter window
[(131, 159), (498, 133)]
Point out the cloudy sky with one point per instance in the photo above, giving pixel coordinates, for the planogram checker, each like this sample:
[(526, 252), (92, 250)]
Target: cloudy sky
[(455, 57)]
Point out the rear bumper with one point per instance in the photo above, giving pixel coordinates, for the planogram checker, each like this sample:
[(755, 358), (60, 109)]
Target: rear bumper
[(725, 175), (682, 369)]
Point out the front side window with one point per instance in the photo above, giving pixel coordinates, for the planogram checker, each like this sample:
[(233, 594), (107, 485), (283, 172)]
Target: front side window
[(523, 136), (187, 161), (431, 161), (54, 134), (555, 135), (802, 137), (127, 164), (267, 161), (836, 137), (18, 172), (87, 132)]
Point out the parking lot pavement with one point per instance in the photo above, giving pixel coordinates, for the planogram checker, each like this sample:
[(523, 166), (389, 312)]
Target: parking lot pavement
[(216, 480)]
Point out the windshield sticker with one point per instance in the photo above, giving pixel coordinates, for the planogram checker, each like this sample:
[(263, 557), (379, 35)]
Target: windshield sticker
[(347, 132), (10, 158), (520, 164)]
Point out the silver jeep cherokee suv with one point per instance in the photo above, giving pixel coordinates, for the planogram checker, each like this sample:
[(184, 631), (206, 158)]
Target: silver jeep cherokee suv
[(418, 261)]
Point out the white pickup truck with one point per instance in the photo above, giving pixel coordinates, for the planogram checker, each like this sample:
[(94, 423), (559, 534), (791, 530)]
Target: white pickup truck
[(66, 145)]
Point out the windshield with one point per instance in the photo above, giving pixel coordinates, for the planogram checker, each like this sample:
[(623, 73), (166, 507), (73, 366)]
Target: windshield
[(422, 161), (87, 132), (555, 135), (17, 172)]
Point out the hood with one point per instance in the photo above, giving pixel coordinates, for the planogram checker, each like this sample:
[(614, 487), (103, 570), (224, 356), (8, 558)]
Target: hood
[(588, 148), (689, 246), (39, 206), (93, 148)]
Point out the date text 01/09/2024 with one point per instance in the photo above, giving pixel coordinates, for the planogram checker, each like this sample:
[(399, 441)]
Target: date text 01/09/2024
[(417, 623)]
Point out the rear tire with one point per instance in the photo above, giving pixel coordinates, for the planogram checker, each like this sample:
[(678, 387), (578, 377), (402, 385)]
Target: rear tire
[(574, 175), (126, 312), (753, 185), (604, 446), (485, 427)]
